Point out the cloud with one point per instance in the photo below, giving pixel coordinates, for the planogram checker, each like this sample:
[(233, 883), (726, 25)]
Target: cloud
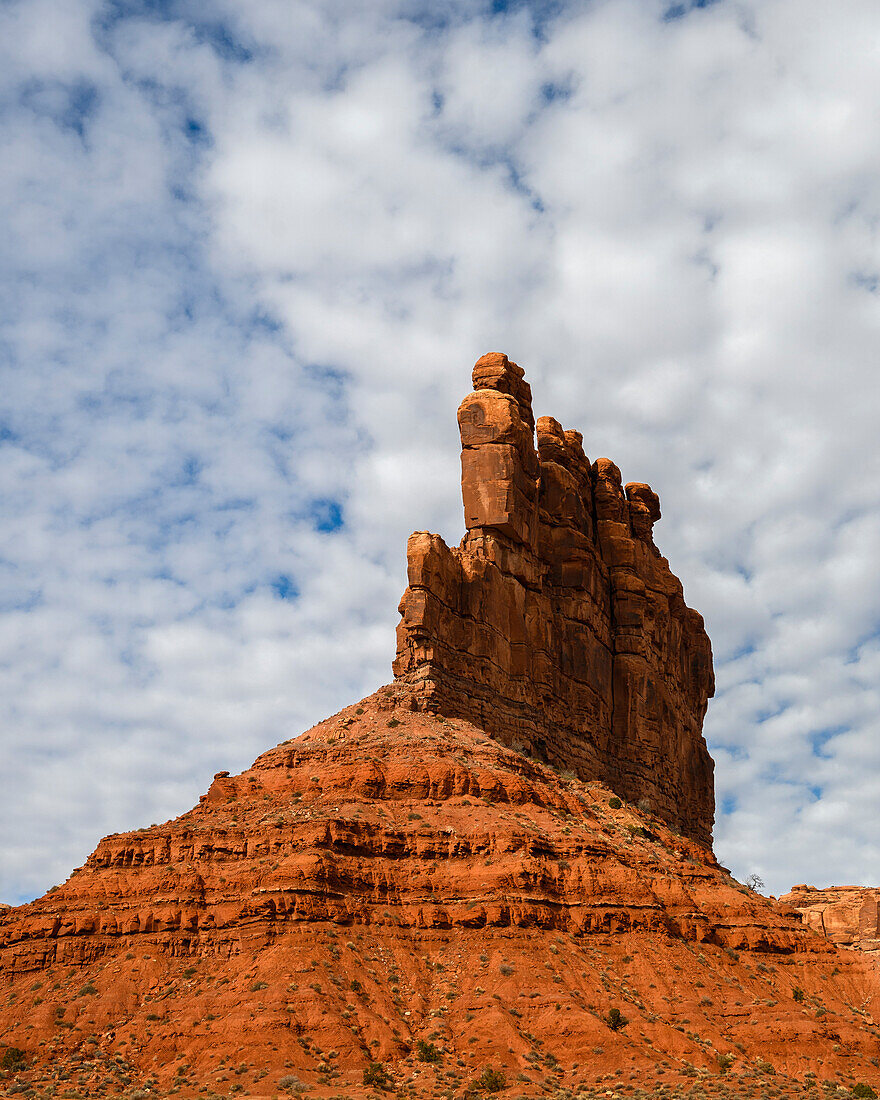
[(254, 252)]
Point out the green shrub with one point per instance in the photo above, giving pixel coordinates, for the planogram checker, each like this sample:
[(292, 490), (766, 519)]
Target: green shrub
[(376, 1076), (725, 1061), (292, 1083), (864, 1092), (355, 986), (427, 1052), (615, 1019), (491, 1080), (615, 803), (13, 1058), (798, 994)]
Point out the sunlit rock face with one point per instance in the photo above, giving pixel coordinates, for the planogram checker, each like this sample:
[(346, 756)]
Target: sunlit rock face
[(847, 915), (394, 876), (557, 625)]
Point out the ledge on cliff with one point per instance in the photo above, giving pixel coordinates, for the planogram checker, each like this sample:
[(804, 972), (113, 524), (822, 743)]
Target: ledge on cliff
[(556, 625)]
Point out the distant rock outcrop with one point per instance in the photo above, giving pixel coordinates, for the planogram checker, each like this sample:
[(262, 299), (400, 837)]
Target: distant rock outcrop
[(556, 625), (847, 915)]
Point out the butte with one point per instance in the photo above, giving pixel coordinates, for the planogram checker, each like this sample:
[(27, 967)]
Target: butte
[(493, 874)]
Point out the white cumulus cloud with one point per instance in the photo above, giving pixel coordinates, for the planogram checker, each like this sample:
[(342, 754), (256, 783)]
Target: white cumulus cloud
[(253, 251)]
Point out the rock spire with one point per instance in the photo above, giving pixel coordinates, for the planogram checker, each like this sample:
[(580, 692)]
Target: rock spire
[(556, 625)]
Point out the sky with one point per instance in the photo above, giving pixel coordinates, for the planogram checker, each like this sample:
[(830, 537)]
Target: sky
[(249, 254)]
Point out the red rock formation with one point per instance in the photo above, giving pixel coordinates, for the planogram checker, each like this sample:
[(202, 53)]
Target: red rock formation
[(556, 625), (396, 876), (393, 876), (847, 915)]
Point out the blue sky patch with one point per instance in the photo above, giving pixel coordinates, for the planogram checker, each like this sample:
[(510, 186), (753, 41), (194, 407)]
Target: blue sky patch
[(553, 91), (326, 515), (680, 10), (69, 105), (284, 587), (196, 132), (819, 740)]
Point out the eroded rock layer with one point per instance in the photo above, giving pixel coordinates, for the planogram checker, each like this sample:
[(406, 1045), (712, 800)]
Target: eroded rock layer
[(393, 877), (556, 625), (847, 915)]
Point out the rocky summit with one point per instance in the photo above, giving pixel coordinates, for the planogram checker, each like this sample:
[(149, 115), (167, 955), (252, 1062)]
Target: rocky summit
[(471, 882), (556, 625)]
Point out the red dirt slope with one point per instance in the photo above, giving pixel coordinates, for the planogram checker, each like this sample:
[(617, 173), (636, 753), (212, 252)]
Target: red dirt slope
[(393, 876)]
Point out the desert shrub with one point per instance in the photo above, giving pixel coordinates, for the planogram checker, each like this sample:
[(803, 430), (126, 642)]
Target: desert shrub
[(13, 1058), (376, 1076), (355, 986), (505, 970), (615, 1019), (291, 1083), (392, 722), (259, 985), (725, 1061), (864, 1092), (491, 1080), (798, 994), (427, 1052), (615, 803)]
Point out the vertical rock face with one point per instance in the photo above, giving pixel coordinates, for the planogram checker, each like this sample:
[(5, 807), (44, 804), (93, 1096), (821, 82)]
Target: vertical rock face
[(848, 915), (556, 625)]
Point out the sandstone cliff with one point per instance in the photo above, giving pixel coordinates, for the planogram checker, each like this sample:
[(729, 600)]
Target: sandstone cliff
[(556, 625), (847, 915)]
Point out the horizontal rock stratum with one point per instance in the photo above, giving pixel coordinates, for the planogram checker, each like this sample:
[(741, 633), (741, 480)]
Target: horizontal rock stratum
[(556, 625), (393, 876)]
